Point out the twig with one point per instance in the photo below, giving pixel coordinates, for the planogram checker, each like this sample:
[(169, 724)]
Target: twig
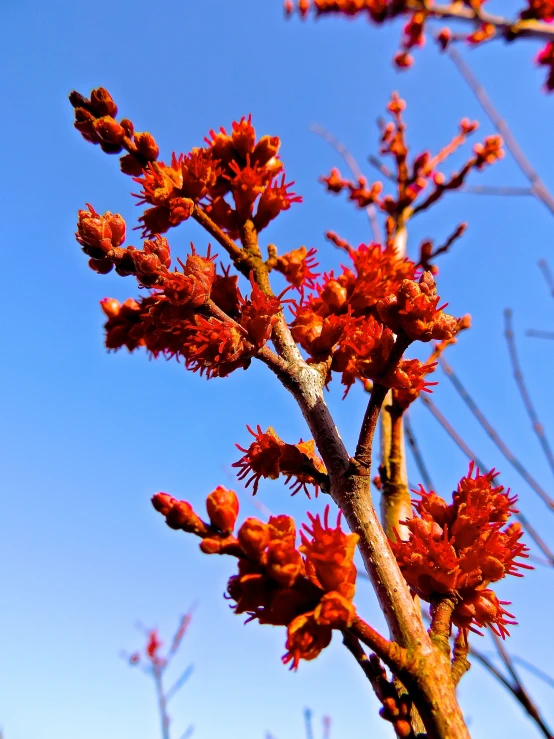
[(470, 454), (545, 269), (538, 187), (493, 434), (534, 670), (308, 723), (503, 190), (538, 334), (414, 446), (352, 164), (518, 374), (378, 394), (519, 691)]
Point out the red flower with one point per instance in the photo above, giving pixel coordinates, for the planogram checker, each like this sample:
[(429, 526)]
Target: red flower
[(414, 310), (461, 548), (330, 555), (268, 457), (306, 639)]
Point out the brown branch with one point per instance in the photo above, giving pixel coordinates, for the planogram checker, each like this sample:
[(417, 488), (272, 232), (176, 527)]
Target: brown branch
[(396, 503), (354, 168), (460, 663), (470, 454), (509, 29), (378, 395), (441, 623), (538, 187), (493, 434), (522, 387), (386, 691)]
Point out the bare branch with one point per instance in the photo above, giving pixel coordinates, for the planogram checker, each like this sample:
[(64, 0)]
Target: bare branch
[(493, 434), (522, 387), (538, 187), (352, 164), (414, 446)]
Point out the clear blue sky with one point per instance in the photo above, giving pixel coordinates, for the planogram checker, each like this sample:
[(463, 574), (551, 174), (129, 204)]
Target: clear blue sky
[(87, 437)]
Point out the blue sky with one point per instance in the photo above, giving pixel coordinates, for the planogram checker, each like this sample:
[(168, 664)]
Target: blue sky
[(87, 437)]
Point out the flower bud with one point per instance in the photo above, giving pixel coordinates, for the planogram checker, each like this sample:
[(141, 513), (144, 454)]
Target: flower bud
[(162, 502), (111, 308), (130, 165), (147, 146), (102, 102), (253, 536), (109, 130), (127, 126), (223, 508), (101, 266)]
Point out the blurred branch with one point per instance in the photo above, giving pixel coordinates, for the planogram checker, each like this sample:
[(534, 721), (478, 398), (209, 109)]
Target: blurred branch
[(178, 684), (352, 164), (414, 446), (538, 334), (538, 187), (493, 434), (520, 381), (308, 723)]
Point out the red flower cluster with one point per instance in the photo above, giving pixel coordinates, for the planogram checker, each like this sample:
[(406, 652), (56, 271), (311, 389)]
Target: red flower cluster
[(297, 267), (413, 179), (95, 120), (268, 457), (413, 32), (461, 548), (309, 590), (413, 310), (377, 10), (352, 318), (235, 178), (169, 321)]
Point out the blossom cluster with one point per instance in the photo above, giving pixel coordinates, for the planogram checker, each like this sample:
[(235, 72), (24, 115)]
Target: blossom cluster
[(420, 183), (413, 31), (352, 319), (95, 119), (269, 457), (169, 320), (308, 589), (236, 177), (461, 548)]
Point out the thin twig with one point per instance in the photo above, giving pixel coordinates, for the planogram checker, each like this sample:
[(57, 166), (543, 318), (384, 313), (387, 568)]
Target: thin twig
[(352, 164), (534, 670), (538, 334), (545, 269), (414, 446), (519, 691), (528, 403), (493, 434), (308, 723), (538, 187), (503, 190)]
